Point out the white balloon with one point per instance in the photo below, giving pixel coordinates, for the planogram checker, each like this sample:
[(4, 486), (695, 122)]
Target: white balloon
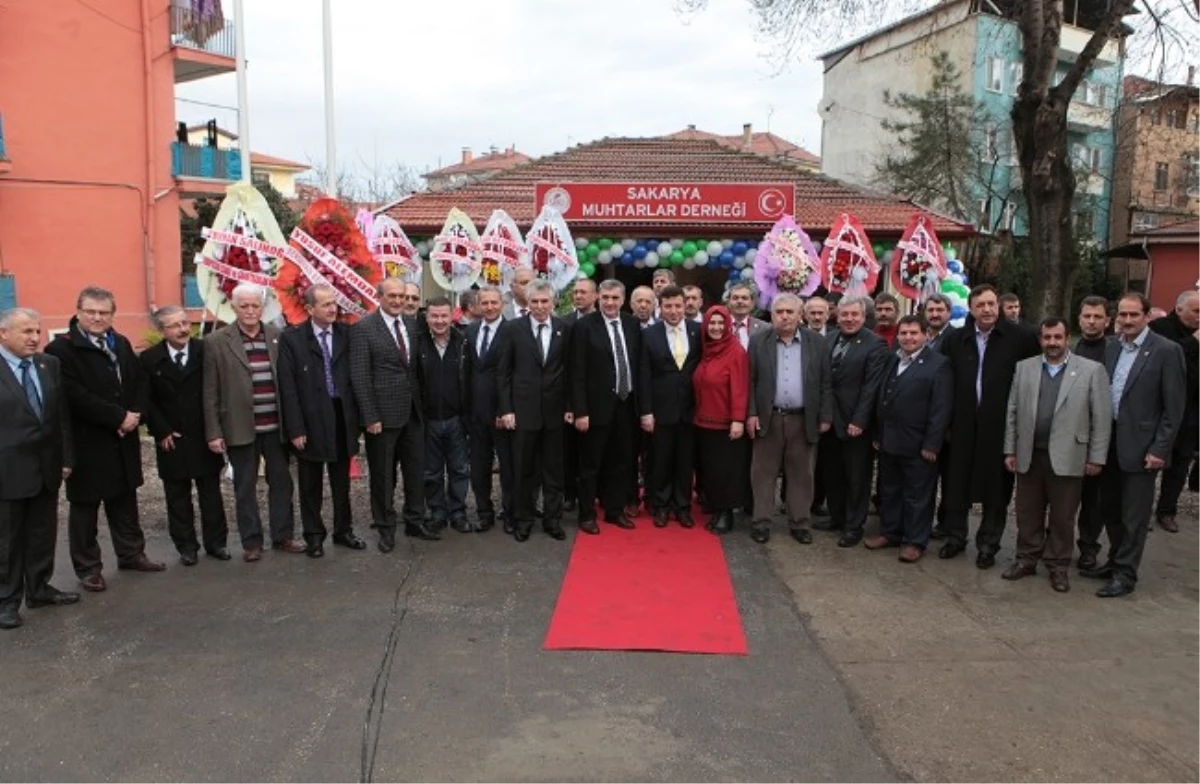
[(676, 244), (604, 257), (689, 264), (726, 244), (739, 262), (639, 264), (616, 251), (651, 259), (701, 258), (628, 243), (715, 248), (581, 242), (423, 248), (664, 248)]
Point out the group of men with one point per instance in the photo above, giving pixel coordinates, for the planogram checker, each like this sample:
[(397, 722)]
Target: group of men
[(592, 409)]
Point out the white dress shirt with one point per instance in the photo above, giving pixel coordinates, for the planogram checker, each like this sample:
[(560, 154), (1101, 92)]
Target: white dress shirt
[(625, 349), (545, 338)]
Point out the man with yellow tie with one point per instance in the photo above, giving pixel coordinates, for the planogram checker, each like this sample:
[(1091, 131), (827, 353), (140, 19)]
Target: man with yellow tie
[(670, 353)]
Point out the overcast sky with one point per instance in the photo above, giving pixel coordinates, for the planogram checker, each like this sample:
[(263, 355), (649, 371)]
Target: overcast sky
[(417, 80)]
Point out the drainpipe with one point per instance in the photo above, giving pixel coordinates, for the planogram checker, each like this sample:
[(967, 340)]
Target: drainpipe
[(152, 136)]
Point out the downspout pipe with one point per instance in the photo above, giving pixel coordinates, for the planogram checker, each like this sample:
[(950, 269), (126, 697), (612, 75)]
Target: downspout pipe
[(148, 222)]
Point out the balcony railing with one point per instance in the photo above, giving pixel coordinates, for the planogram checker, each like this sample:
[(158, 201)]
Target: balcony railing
[(211, 34), (193, 160)]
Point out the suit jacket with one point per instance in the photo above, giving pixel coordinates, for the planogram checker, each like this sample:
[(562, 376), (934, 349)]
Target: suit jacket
[(1152, 403), (593, 367), (666, 390), (175, 404), (573, 316), (33, 452), (386, 388), (511, 310), (818, 397), (935, 343), (1171, 327), (228, 387), (914, 408), (483, 386), (1082, 423), (307, 407), (757, 326), (535, 392), (98, 395), (855, 380)]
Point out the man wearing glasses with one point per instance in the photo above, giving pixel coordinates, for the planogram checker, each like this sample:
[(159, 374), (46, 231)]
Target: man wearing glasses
[(104, 389)]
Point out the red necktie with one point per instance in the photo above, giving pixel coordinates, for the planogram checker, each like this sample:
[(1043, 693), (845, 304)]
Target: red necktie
[(400, 341)]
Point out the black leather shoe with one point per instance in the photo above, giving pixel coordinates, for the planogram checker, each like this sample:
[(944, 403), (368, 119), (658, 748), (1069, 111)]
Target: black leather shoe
[(660, 519), (1114, 588), (188, 559), (619, 520), (221, 554), (462, 526), (818, 510), (521, 534), (712, 521), (685, 519), (1087, 561), (1099, 573), (826, 525), (951, 549), (724, 523), (485, 524), (387, 539), (589, 527), (850, 539), (9, 617), (51, 596), (508, 526), (801, 535), (350, 540), (315, 550), (569, 505), (555, 531), (760, 532), (985, 560), (421, 531)]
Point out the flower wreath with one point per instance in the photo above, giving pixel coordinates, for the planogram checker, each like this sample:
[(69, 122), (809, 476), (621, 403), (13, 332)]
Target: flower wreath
[(848, 258), (786, 261)]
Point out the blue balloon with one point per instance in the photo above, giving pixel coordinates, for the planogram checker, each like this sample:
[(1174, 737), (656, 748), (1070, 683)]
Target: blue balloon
[(714, 261), (958, 311), (639, 252), (726, 258), (752, 245), (738, 248), (954, 265), (735, 275)]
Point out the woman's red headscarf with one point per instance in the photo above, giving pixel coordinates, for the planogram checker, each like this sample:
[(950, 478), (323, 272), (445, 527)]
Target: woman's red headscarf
[(714, 349)]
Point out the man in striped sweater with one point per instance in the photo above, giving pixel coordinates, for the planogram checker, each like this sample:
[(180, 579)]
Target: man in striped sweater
[(241, 420)]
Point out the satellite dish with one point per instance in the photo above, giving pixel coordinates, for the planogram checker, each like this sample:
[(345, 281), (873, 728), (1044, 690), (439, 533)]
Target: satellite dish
[(825, 105)]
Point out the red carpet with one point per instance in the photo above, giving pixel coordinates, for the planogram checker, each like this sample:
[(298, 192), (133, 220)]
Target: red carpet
[(649, 589)]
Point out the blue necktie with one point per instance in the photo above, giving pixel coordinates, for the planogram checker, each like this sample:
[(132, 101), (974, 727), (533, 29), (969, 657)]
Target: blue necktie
[(330, 387), (35, 400)]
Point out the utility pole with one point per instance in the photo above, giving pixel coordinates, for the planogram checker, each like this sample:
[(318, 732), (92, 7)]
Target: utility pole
[(243, 98), (330, 141)]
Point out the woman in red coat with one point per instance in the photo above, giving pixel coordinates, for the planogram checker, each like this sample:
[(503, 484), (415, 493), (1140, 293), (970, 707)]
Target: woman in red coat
[(721, 383)]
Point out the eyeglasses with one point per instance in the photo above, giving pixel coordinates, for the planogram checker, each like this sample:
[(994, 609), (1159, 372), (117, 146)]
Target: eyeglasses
[(96, 314)]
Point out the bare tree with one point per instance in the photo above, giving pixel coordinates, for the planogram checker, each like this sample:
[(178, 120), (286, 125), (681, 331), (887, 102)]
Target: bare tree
[(370, 183), (1040, 110)]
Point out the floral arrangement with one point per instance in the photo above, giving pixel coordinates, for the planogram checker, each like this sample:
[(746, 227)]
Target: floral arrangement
[(786, 261), (328, 249), (502, 251), (395, 254), (848, 258), (455, 257), (552, 252), (244, 245), (919, 263)]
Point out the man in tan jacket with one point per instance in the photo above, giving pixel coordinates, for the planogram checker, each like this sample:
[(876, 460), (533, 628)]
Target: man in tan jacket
[(241, 420), (1058, 429)]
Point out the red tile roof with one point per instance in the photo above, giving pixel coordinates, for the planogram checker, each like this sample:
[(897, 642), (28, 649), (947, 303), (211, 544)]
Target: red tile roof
[(766, 144), (1189, 228), (492, 161), (819, 199), (261, 159)]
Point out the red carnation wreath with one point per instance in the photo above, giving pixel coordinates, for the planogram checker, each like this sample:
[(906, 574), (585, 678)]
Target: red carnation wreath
[(328, 248)]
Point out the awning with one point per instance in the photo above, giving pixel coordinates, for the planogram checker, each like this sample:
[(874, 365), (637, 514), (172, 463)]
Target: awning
[(1134, 250)]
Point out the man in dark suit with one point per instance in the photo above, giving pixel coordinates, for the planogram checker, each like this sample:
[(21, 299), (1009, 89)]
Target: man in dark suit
[(604, 370), (174, 372), (983, 356), (856, 360), (489, 442), (791, 405), (532, 385), (671, 350), (1093, 340), (584, 295), (936, 312), (320, 417), (383, 374), (912, 413), (106, 395), (745, 326), (36, 453), (1148, 400), (1180, 326)]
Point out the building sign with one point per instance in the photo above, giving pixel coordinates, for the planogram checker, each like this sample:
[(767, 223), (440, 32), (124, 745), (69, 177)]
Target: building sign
[(669, 202)]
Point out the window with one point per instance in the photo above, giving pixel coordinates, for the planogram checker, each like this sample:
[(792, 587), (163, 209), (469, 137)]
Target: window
[(994, 77), (1162, 176), (1010, 217), (1156, 115), (1094, 94), (991, 144), (1018, 74), (1014, 157), (985, 214), (1088, 158), (1144, 221), (1083, 222), (259, 177), (1191, 183), (1172, 117), (1181, 120)]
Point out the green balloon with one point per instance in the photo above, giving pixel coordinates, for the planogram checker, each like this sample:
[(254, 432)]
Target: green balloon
[(688, 249), (592, 251), (605, 243), (676, 257), (588, 268)]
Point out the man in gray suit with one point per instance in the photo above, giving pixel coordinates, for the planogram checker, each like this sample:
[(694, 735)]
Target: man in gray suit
[(35, 456), (791, 405), (1148, 399), (1058, 426), (383, 374), (242, 420)]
